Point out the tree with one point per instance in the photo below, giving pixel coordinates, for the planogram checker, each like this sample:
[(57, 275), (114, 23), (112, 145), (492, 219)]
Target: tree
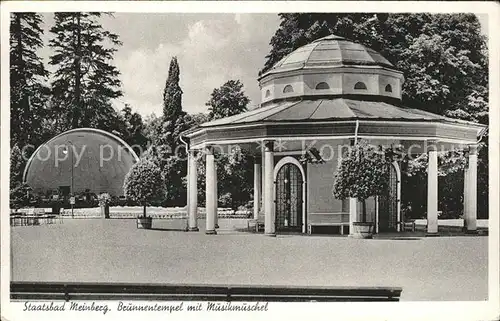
[(18, 190), (84, 81), (167, 150), (362, 173), (28, 93), (132, 129), (144, 183), (16, 166), (228, 100), (172, 107)]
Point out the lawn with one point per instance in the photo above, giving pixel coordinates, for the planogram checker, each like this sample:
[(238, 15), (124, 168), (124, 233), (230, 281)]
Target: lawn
[(441, 268)]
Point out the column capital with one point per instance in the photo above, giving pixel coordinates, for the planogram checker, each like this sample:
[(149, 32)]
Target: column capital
[(472, 149), (431, 145), (193, 152), (268, 145), (209, 150)]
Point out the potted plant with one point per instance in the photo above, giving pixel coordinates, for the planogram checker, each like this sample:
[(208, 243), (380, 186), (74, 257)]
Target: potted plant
[(144, 184), (104, 199), (362, 173)]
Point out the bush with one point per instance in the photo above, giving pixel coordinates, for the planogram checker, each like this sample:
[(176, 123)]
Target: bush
[(144, 183), (362, 173), (19, 196)]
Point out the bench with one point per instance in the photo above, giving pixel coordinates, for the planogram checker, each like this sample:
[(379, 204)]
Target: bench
[(22, 291), (257, 223), (328, 219)]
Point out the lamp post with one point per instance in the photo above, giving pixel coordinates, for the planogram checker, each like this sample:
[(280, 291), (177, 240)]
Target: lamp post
[(72, 167)]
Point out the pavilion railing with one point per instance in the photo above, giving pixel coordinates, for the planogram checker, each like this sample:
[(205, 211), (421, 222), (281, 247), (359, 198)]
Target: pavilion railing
[(182, 292)]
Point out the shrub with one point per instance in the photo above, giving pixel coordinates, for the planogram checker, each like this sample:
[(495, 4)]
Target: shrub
[(104, 199), (144, 183), (362, 173)]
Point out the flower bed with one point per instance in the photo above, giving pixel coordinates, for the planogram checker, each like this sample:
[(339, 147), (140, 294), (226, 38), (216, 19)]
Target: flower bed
[(122, 212)]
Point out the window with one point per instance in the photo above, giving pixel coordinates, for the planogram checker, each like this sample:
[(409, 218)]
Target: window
[(360, 85), (268, 93), (288, 89), (388, 89), (322, 85)]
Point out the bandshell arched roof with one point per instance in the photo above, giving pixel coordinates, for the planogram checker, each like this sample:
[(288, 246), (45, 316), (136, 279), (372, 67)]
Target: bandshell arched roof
[(101, 160)]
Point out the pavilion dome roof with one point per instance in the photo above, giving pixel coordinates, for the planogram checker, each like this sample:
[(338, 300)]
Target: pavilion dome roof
[(330, 110), (330, 51)]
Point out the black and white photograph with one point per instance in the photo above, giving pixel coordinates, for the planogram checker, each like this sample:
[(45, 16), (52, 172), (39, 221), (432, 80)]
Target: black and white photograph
[(249, 160)]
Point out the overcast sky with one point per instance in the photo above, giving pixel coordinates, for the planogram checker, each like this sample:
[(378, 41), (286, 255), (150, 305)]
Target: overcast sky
[(210, 48)]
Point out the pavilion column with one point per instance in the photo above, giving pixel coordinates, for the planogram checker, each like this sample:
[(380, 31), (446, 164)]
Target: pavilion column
[(269, 228), (432, 189), (466, 186), (470, 192), (216, 217), (263, 181), (192, 192), (210, 191), (257, 178)]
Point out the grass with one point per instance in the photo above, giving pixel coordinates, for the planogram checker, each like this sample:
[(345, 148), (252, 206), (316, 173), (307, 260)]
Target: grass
[(97, 250)]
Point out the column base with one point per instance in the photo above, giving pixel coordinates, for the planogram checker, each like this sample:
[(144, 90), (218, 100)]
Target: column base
[(432, 234), (193, 229), (211, 232), (270, 234)]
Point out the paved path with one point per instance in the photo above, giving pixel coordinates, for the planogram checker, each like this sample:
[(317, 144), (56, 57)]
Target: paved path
[(443, 268)]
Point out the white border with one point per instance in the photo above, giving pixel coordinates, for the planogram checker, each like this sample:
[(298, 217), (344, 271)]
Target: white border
[(347, 311)]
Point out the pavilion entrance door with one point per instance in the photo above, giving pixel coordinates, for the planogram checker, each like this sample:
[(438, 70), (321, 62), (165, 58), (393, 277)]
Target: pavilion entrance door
[(388, 204), (289, 184)]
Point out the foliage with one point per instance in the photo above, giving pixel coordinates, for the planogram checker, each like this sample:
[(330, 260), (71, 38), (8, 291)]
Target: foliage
[(173, 115), (132, 129), (104, 199), (18, 190), (17, 164), (144, 182), (234, 178), (18, 196), (199, 118), (28, 93), (362, 173), (228, 100), (84, 81)]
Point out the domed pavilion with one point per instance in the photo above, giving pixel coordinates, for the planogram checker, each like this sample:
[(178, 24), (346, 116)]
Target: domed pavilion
[(318, 99)]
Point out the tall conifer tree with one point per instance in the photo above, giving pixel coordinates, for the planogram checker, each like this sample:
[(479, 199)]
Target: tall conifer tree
[(27, 77), (85, 81)]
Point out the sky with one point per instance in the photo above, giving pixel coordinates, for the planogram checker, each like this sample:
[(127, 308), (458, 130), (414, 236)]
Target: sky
[(211, 49)]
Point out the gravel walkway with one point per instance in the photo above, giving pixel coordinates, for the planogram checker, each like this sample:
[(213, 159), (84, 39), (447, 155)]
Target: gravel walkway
[(442, 268)]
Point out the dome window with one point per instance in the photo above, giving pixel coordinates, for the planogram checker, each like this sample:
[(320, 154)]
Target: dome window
[(288, 89), (388, 89), (322, 85), (360, 85), (268, 93)]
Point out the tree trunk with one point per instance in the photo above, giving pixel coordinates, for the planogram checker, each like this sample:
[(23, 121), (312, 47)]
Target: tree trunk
[(77, 108), (364, 211)]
